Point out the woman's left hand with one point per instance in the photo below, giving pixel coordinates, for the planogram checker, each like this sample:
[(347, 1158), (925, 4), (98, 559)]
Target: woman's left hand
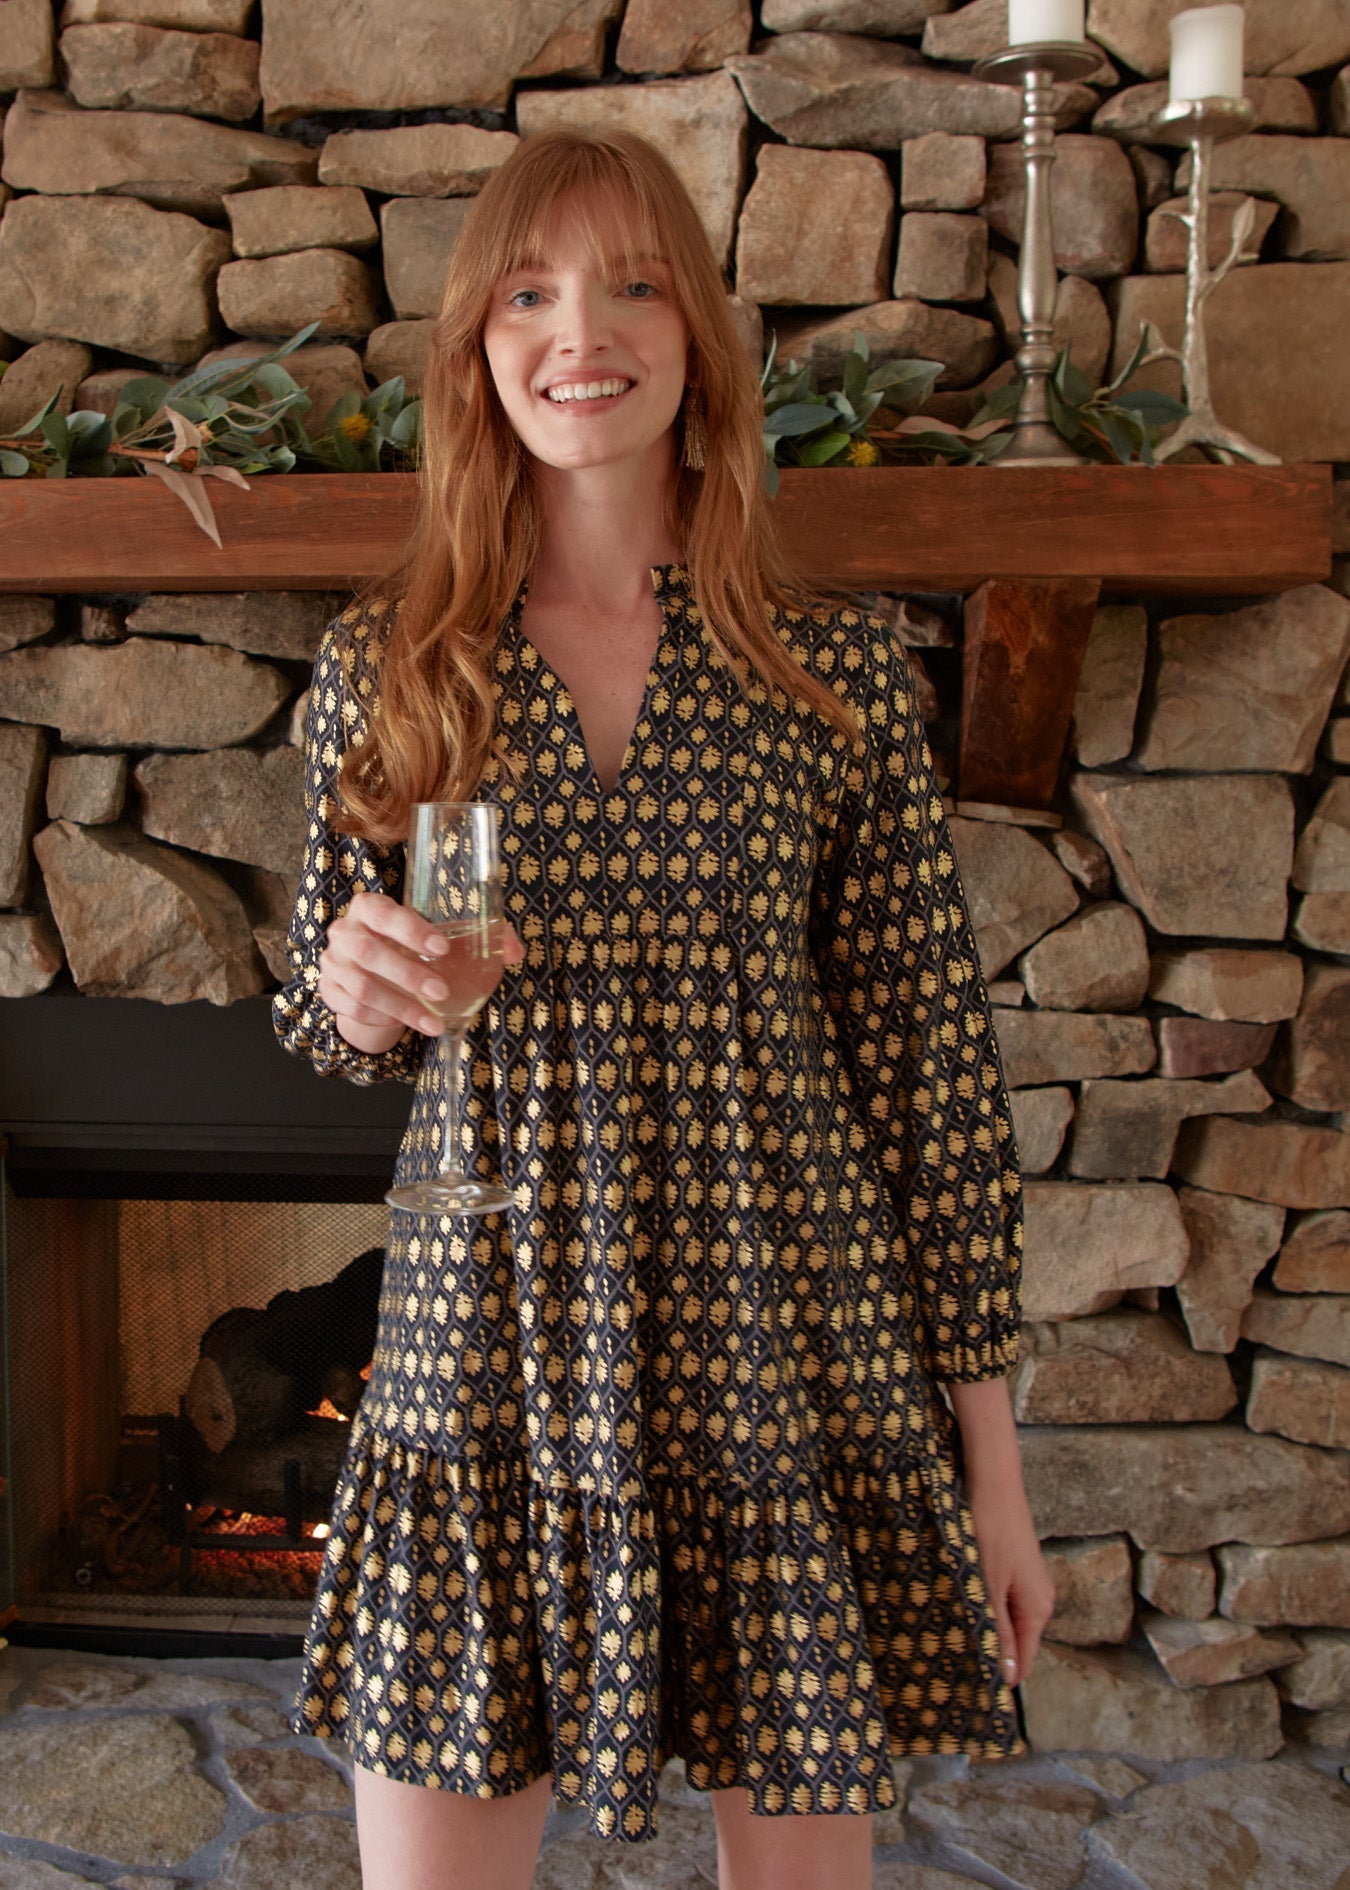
[(1021, 1591)]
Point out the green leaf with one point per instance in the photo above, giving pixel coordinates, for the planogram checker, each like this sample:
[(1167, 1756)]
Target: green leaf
[(57, 470), (1071, 381), (766, 372), (13, 465), (771, 475), (820, 452), (90, 434), (34, 425), (904, 383), (145, 394), (1002, 404), (1119, 437), (806, 417), (392, 393), (406, 432), (1152, 404), (1142, 347), (57, 434), (855, 372)]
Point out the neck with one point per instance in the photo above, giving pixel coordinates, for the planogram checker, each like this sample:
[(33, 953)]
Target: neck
[(603, 529)]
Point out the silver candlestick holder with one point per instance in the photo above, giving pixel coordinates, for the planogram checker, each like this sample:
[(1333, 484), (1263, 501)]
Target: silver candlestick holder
[(1202, 123), (1037, 65)]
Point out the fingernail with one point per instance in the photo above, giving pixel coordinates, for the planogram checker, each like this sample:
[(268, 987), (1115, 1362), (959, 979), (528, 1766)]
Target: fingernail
[(434, 990)]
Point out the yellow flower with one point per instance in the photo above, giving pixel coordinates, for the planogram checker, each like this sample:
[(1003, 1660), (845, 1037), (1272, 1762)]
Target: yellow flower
[(863, 453), (354, 428)]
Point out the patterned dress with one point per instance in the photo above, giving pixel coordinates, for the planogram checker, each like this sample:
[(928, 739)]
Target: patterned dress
[(656, 1463)]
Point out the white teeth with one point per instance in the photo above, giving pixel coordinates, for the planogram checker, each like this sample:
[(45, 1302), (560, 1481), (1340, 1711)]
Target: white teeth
[(588, 390)]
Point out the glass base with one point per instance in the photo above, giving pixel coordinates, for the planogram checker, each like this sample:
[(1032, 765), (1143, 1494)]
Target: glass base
[(451, 1194)]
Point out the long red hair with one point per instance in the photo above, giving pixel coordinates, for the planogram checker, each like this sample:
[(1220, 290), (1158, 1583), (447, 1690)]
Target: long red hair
[(477, 525)]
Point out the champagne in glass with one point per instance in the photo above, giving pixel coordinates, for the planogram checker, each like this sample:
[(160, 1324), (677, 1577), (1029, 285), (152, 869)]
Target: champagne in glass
[(454, 880)]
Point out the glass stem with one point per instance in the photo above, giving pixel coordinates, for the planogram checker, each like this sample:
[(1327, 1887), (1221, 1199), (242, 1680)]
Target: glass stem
[(452, 1048)]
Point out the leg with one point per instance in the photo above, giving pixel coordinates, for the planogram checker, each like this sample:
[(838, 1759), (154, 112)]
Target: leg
[(821, 1851), (416, 1839)]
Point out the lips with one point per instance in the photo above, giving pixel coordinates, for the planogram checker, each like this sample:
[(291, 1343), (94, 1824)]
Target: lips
[(589, 392)]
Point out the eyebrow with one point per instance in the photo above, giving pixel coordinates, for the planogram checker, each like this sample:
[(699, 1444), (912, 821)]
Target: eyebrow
[(535, 265)]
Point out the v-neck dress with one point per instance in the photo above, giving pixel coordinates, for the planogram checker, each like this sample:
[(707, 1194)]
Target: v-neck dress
[(656, 1462)]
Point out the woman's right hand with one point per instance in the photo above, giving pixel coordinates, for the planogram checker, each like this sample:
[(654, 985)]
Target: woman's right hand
[(377, 972)]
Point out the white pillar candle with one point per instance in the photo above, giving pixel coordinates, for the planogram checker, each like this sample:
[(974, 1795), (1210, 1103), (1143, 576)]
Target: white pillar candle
[(1038, 21), (1206, 53)]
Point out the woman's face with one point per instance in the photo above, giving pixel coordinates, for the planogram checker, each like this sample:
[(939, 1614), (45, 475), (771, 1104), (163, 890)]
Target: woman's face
[(589, 358)]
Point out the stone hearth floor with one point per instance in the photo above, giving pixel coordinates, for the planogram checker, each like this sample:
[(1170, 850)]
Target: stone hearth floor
[(150, 1775)]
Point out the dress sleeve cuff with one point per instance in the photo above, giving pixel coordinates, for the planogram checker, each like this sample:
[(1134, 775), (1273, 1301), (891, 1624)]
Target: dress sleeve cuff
[(974, 1364)]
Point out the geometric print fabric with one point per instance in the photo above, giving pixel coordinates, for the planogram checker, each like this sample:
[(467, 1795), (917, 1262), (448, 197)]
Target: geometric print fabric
[(655, 1462)]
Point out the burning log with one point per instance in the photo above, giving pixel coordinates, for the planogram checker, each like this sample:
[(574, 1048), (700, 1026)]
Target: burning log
[(259, 1371)]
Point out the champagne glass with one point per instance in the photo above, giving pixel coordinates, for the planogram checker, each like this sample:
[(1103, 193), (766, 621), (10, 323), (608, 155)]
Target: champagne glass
[(454, 880)]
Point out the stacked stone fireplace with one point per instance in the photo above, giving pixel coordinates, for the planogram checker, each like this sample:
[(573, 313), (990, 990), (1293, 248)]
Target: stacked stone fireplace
[(1169, 949)]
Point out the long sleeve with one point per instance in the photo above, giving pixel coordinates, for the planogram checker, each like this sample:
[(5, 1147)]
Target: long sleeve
[(341, 699), (897, 956)]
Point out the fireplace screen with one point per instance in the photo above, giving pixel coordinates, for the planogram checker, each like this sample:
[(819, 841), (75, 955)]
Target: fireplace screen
[(179, 1376)]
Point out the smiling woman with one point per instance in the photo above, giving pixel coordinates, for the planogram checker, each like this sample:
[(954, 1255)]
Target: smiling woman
[(657, 1462)]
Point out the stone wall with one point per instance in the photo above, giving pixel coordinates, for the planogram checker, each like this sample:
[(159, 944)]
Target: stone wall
[(1171, 962)]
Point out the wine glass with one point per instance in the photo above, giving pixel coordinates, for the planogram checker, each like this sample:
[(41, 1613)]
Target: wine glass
[(454, 879)]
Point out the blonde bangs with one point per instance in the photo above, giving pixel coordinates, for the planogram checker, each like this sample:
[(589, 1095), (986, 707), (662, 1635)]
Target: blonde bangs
[(477, 525)]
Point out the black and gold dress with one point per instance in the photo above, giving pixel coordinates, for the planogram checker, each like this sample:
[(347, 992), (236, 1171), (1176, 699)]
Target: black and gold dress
[(656, 1463)]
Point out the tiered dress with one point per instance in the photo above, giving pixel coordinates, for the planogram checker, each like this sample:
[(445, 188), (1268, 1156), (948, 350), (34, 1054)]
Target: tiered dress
[(657, 1463)]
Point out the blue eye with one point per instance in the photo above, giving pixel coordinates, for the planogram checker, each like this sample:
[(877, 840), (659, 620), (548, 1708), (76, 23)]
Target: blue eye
[(515, 300), (643, 290)]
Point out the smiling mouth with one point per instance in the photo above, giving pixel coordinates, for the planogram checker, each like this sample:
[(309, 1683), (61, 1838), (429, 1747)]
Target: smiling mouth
[(587, 393)]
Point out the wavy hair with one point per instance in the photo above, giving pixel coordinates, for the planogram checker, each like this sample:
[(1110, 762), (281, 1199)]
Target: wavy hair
[(476, 530)]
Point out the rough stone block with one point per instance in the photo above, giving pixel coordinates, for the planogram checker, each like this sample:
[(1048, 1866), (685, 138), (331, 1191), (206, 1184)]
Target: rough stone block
[(1278, 39), (286, 625), (404, 55), (1313, 1065), (416, 160), (1116, 1700), (30, 953), (109, 271), (1300, 1399), (420, 234), (942, 257), (966, 345), (1201, 855), (1094, 1598), (1322, 857), (140, 694), (166, 158), (47, 368), (1319, 1680), (1040, 1118), (1304, 1584), (1308, 177), (27, 44), (1040, 1047), (815, 228), (1229, 984), (701, 123), (234, 803), (1109, 684), (1127, 1130), (102, 392), (835, 90), (1279, 370), (1311, 1326), (1087, 1245), (1290, 1163), (140, 920), (1093, 206), (400, 348), (299, 216), (1315, 1257), (1322, 922), (88, 789), (1184, 1486), (1083, 860), (279, 294), (1182, 1585), (884, 18), (682, 35), (1098, 961), (24, 620), (1249, 689), (1082, 326), (942, 171), (1015, 889), (192, 16), (1004, 1824), (23, 766), (1211, 1653), (1198, 1046), (144, 68), (1231, 1240), (1122, 1367)]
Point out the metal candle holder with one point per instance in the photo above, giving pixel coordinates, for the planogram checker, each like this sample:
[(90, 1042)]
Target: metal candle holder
[(1202, 123), (1037, 65)]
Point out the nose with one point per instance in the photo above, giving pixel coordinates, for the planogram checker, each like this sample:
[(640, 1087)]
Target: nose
[(585, 323)]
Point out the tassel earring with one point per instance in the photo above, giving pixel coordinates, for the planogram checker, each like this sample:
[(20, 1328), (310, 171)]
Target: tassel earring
[(695, 432)]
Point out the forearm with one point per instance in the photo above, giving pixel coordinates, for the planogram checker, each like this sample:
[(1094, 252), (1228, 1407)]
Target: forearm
[(988, 1434)]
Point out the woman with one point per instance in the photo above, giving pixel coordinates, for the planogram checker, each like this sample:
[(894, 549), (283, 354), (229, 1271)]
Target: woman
[(659, 1462)]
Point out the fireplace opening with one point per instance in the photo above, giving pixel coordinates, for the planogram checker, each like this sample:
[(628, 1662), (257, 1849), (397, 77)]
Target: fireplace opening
[(179, 1381)]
